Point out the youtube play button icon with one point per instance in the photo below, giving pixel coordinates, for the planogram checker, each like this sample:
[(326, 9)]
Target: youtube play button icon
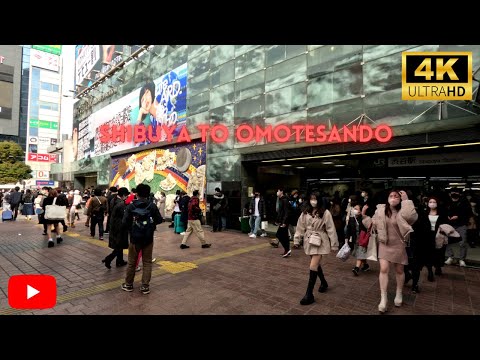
[(32, 291)]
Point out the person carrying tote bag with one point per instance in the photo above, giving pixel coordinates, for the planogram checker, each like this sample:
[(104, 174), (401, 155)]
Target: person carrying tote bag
[(54, 211)]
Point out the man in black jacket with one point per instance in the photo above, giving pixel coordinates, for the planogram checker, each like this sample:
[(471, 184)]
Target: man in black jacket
[(283, 222), (141, 228), (112, 194)]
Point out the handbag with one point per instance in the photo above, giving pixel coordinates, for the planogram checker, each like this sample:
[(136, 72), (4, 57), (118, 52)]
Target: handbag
[(372, 249), (344, 252), (364, 238), (55, 212), (264, 225), (315, 239)]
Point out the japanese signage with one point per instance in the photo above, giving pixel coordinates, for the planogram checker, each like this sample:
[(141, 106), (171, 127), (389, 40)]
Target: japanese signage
[(52, 49), (44, 60), (434, 159)]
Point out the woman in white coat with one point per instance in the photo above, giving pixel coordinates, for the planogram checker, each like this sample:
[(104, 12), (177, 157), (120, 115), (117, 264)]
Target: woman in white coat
[(316, 221)]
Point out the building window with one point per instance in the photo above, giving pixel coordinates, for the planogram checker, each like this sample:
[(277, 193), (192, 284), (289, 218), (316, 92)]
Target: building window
[(48, 106), (49, 87)]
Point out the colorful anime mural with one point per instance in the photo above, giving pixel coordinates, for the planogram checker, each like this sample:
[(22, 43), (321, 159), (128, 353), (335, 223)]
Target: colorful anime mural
[(181, 167)]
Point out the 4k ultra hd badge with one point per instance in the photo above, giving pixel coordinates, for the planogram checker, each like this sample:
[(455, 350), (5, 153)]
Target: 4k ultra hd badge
[(437, 76)]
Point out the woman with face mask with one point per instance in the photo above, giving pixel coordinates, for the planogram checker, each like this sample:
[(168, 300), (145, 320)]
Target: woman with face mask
[(393, 222), (422, 245), (316, 221), (352, 236)]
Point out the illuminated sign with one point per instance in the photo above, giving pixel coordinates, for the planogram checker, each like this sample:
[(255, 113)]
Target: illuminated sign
[(246, 133), (42, 157)]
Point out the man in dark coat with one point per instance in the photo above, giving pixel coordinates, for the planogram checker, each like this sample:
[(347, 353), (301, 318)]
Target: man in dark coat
[(118, 235)]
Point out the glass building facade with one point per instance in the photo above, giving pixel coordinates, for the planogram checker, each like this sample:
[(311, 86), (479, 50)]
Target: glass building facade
[(24, 97), (292, 84)]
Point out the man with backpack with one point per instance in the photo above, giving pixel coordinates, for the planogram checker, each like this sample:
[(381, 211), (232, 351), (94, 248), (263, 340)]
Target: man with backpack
[(141, 218)]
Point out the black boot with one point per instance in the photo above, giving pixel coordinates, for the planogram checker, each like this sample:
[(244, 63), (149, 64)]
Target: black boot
[(430, 276), (415, 277), (408, 274), (323, 283), (107, 261), (308, 298)]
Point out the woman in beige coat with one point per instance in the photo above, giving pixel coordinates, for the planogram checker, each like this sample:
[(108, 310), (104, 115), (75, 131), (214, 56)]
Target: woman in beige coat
[(317, 221), (393, 222)]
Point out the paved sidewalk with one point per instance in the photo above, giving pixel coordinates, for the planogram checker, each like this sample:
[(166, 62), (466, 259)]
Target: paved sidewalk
[(237, 275)]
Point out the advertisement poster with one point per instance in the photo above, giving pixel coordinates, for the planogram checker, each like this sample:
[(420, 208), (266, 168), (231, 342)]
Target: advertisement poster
[(92, 62), (162, 101), (181, 167)]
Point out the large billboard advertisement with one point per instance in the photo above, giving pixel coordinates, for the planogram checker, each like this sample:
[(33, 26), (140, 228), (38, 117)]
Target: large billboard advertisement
[(162, 101), (180, 167), (52, 49), (92, 62)]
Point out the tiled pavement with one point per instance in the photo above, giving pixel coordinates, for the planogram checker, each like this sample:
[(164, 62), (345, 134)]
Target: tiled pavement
[(237, 275)]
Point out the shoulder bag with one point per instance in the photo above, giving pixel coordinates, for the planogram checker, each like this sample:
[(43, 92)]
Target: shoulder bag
[(55, 212)]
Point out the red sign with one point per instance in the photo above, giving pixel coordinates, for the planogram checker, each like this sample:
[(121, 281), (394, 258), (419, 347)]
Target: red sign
[(32, 291), (42, 157)]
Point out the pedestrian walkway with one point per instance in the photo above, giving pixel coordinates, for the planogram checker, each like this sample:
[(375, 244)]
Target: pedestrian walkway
[(237, 275)]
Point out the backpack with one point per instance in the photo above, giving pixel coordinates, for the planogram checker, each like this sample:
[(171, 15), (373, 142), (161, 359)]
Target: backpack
[(143, 225)]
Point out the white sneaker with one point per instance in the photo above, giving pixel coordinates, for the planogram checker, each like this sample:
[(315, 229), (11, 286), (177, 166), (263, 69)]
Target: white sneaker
[(253, 236), (462, 263), (138, 268), (449, 261), (183, 233), (264, 235)]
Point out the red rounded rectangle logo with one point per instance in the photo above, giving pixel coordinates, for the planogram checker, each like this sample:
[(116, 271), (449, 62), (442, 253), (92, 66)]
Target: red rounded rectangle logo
[(32, 291)]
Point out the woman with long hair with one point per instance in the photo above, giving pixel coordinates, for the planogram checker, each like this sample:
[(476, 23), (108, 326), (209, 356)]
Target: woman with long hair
[(422, 245), (316, 221), (393, 222)]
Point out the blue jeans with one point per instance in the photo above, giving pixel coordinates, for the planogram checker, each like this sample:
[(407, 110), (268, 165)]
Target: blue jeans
[(255, 222)]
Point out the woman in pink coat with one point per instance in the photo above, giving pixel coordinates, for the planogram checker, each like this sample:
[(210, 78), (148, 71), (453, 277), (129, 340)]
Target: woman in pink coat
[(393, 222), (315, 220)]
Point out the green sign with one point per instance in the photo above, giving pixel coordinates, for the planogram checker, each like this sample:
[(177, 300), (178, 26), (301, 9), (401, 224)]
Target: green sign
[(52, 49), (44, 124)]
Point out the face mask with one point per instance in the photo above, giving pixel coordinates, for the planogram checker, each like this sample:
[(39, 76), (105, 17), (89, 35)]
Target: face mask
[(455, 198), (355, 212), (313, 203), (432, 205), (300, 200), (394, 202)]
